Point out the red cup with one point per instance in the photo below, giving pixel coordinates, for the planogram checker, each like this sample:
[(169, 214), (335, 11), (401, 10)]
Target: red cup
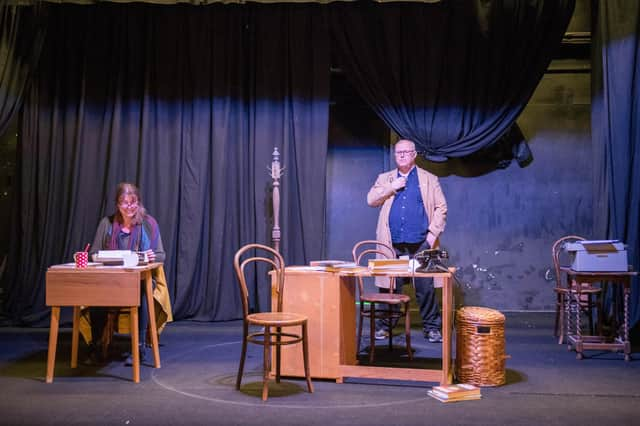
[(81, 258)]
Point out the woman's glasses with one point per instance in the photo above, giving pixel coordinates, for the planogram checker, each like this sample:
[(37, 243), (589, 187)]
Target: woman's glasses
[(128, 204)]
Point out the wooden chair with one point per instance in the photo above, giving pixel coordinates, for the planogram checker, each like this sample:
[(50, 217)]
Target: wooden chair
[(271, 323), (361, 252), (566, 293)]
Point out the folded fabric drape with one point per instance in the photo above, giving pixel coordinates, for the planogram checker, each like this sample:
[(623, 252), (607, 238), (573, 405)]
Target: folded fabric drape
[(22, 31), (450, 76), (615, 133), (189, 103)]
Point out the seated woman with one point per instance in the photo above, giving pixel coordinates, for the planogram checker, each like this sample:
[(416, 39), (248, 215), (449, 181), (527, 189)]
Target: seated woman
[(129, 228)]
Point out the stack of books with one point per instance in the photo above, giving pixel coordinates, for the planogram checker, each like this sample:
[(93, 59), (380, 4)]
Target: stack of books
[(332, 265), (388, 265), (454, 393)]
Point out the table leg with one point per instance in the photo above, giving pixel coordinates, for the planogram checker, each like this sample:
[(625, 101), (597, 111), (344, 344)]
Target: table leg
[(75, 334), (627, 343), (53, 341), (135, 341), (152, 319), (447, 306), (578, 297), (571, 321)]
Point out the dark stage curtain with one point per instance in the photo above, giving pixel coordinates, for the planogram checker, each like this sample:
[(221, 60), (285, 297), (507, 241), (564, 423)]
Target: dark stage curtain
[(451, 76), (189, 103), (615, 129), (22, 32)]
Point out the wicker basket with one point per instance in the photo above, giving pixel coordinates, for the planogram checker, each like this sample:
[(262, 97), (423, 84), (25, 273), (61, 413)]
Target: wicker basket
[(480, 352)]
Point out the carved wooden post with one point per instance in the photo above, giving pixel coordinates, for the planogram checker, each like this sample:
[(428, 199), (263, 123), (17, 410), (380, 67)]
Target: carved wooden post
[(276, 173)]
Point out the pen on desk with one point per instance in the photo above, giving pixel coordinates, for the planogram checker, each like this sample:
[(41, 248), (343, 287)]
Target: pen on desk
[(86, 249)]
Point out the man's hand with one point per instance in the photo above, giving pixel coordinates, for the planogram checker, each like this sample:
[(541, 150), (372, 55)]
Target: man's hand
[(399, 183), (431, 239), (151, 255)]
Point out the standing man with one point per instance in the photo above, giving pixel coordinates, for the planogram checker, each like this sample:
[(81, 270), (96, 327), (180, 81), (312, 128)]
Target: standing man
[(412, 217)]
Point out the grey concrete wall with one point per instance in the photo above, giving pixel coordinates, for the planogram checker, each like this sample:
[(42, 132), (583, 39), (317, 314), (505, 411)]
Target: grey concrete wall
[(501, 225)]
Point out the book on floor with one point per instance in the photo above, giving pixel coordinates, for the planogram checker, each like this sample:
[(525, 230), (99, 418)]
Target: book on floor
[(461, 391), (434, 395)]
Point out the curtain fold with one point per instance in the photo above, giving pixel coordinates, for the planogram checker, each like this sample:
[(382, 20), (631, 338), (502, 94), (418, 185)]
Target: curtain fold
[(451, 76), (615, 129), (188, 103), (22, 32)]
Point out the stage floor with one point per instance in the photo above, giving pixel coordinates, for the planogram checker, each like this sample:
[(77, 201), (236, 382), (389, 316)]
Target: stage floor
[(546, 384)]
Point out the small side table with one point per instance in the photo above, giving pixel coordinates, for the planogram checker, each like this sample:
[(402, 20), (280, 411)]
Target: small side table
[(585, 342)]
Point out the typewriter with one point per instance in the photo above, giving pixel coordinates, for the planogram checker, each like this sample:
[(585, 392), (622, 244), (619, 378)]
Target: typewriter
[(432, 260)]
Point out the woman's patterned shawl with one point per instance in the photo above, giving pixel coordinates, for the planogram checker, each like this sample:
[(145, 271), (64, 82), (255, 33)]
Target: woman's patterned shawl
[(143, 236)]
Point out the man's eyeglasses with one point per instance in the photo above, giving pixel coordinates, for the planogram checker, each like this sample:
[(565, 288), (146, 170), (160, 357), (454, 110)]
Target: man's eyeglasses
[(129, 204), (403, 153)]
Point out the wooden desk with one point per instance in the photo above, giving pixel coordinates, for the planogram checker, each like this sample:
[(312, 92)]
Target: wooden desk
[(67, 285), (621, 341), (329, 301)]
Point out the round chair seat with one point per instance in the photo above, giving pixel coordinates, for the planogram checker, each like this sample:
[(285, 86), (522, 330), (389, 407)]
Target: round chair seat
[(389, 298), (277, 319)]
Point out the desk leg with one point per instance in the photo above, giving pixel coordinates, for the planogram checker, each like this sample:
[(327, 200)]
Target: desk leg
[(447, 306), (627, 343), (135, 339), (75, 336), (152, 319), (53, 341), (578, 344)]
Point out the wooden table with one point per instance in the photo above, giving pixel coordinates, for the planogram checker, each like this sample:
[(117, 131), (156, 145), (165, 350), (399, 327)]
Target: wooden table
[(583, 342), (329, 301), (67, 285)]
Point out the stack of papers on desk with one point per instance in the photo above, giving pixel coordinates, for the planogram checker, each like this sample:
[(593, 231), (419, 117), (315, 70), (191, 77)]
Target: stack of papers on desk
[(382, 265), (117, 258), (332, 265), (73, 265)]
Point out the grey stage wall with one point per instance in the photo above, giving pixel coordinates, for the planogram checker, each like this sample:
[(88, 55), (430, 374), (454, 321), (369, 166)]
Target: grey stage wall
[(501, 225)]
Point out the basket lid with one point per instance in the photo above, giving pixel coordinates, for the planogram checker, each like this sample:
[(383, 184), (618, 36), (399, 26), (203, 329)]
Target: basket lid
[(478, 313)]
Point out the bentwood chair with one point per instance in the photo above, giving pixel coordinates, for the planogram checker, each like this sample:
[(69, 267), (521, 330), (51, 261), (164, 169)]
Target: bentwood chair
[(566, 292), (271, 324), (391, 306)]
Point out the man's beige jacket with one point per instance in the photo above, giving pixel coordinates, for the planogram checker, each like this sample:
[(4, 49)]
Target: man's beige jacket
[(435, 205)]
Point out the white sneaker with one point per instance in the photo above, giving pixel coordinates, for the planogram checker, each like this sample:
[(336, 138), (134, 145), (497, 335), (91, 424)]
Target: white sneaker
[(433, 336), (381, 334)]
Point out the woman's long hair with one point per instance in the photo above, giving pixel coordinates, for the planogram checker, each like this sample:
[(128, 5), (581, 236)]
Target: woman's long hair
[(124, 189)]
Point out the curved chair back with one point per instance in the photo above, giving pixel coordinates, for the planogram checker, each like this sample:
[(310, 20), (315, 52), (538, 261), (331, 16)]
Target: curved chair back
[(363, 250), (275, 260), (387, 251), (556, 251), (565, 293), (271, 324)]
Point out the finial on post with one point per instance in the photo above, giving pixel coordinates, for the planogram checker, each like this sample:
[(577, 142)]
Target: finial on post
[(276, 174)]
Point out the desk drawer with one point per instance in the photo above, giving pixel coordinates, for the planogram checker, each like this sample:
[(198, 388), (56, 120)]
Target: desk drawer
[(92, 288)]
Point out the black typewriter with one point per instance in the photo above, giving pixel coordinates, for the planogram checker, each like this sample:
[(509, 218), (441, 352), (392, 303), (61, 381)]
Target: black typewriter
[(432, 260)]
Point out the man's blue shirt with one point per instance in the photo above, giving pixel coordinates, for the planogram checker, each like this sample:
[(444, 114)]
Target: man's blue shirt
[(407, 220)]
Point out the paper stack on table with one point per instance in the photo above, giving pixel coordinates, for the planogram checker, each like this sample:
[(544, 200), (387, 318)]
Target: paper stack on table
[(379, 265)]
